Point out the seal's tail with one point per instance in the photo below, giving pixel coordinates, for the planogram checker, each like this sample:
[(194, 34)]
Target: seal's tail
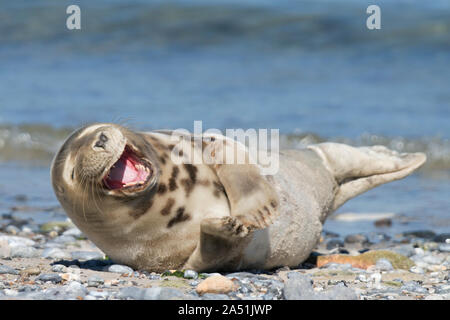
[(357, 170)]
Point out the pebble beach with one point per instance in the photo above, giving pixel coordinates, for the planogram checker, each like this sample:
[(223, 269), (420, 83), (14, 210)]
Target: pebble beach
[(55, 261)]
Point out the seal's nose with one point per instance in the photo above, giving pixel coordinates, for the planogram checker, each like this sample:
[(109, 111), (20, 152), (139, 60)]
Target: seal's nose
[(101, 141)]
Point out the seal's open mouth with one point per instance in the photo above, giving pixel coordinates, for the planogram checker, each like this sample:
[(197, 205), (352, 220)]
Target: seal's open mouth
[(129, 172)]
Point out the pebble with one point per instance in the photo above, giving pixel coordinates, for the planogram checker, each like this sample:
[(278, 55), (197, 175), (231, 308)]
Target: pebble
[(417, 270), (216, 284), (432, 259), (190, 274), (95, 281), (441, 237), (7, 270), (155, 293), (384, 265), (87, 255), (424, 234), (59, 268), (23, 252), (334, 243), (52, 277), (406, 250), (356, 238), (117, 268), (413, 286), (64, 239), (444, 247), (12, 229), (33, 271), (55, 253), (75, 289), (74, 232)]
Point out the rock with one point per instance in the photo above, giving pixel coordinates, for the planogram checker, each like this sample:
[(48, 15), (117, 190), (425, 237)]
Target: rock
[(424, 234), (5, 249), (7, 270), (298, 287), (406, 250), (64, 239), (12, 230), (215, 296), (384, 264), (334, 243), (434, 297), (75, 289), (338, 292), (23, 252), (431, 259), (413, 286), (444, 247), (367, 259), (57, 226), (70, 276), (95, 281), (190, 274), (52, 277), (216, 284), (118, 268), (356, 238), (74, 232), (32, 271), (59, 268), (384, 222), (416, 270), (17, 241), (55, 253), (87, 255), (99, 294), (155, 293), (441, 237)]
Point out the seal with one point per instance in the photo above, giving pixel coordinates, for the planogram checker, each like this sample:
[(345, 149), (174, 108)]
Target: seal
[(126, 192)]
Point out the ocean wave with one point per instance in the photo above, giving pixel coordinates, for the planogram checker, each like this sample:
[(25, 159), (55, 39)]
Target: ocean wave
[(36, 144), (135, 24)]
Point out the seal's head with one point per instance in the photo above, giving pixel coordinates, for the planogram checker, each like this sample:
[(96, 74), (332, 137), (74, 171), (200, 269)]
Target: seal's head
[(104, 163)]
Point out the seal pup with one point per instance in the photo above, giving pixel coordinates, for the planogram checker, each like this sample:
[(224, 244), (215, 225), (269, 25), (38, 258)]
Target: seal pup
[(124, 190)]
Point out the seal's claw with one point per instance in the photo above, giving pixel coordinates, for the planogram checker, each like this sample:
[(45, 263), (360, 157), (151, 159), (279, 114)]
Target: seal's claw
[(225, 227)]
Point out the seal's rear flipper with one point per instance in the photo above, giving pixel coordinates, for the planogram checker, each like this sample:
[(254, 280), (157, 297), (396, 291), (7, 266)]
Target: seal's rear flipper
[(357, 170)]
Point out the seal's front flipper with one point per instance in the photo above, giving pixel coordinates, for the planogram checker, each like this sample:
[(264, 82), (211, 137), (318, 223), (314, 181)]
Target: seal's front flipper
[(222, 242), (357, 170), (252, 199)]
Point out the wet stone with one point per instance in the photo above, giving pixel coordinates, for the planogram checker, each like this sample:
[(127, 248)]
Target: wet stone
[(413, 286), (356, 238), (55, 253), (7, 270), (444, 247), (190, 274), (117, 268), (86, 255), (59, 268), (441, 237), (214, 296), (424, 234), (52, 277), (334, 243), (95, 281), (23, 252), (384, 265)]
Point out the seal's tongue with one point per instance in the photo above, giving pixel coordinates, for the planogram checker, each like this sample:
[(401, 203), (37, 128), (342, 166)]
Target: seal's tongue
[(127, 171)]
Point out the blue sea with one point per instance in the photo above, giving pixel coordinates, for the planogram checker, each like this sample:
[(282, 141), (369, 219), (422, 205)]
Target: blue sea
[(311, 69)]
